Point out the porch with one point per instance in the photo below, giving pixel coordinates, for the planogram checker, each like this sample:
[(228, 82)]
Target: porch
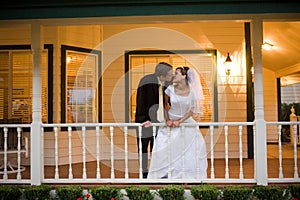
[(282, 158)]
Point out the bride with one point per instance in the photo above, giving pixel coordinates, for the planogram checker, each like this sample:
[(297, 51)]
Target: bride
[(180, 152)]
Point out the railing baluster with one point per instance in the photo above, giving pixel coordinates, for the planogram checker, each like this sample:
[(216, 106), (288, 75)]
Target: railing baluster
[(84, 152), (70, 152), (198, 156), (212, 169), (42, 149), (254, 151), (98, 176), (226, 153), (295, 151), (241, 152), (5, 154), (182, 150), (280, 152), (140, 153), (154, 140), (19, 153), (56, 152), (298, 130), (112, 170), (169, 153), (126, 151)]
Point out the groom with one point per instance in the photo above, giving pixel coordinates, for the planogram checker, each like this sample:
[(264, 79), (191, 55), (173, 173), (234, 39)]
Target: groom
[(147, 100)]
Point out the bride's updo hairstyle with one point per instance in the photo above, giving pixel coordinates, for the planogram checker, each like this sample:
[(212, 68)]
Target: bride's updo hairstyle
[(184, 71)]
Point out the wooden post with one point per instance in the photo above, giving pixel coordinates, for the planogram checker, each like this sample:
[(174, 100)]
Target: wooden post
[(36, 131), (260, 124)]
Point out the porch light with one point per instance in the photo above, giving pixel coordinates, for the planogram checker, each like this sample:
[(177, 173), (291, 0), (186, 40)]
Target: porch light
[(228, 62)]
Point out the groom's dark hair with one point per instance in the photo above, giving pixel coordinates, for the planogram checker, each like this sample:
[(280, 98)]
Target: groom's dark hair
[(162, 69)]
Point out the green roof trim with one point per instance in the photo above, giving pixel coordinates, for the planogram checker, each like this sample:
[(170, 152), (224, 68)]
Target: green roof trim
[(33, 9)]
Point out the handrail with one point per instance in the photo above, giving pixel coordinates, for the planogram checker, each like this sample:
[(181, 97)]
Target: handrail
[(206, 124)]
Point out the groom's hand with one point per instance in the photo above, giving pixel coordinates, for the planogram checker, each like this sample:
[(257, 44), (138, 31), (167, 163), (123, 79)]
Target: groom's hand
[(146, 124)]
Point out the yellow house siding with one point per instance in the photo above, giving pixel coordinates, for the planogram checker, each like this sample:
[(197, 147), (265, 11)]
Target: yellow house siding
[(270, 103), (114, 92), (80, 36), (15, 35)]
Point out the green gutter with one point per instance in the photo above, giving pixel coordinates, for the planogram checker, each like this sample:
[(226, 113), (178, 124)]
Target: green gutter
[(79, 9)]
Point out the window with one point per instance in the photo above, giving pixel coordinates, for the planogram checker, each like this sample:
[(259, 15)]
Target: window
[(16, 74), (80, 94), (140, 63), (288, 97)]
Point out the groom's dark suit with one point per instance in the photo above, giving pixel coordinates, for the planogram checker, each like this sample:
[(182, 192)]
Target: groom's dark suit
[(147, 99), (146, 109)]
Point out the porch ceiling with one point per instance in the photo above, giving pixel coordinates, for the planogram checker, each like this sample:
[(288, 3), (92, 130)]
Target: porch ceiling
[(284, 58)]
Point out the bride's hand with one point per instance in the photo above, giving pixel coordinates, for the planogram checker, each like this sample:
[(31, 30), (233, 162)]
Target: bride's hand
[(169, 123), (176, 123)]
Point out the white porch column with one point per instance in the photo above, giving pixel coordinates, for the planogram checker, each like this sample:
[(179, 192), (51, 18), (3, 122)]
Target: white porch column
[(36, 169), (261, 131)]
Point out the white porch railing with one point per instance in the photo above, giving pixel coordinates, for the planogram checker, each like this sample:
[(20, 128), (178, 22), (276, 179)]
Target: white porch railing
[(281, 177), (12, 172), (124, 126), (224, 129)]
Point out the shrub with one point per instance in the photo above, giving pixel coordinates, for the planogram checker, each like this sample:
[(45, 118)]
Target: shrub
[(236, 192), (37, 192), (139, 193), (270, 192), (70, 192), (171, 192), (106, 193), (293, 191), (205, 192), (10, 192)]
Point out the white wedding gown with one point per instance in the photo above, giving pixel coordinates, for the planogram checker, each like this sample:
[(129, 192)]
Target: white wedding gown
[(185, 152)]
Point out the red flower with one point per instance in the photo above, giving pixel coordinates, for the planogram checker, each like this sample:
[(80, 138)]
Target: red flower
[(87, 195), (112, 198), (295, 198), (79, 198)]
